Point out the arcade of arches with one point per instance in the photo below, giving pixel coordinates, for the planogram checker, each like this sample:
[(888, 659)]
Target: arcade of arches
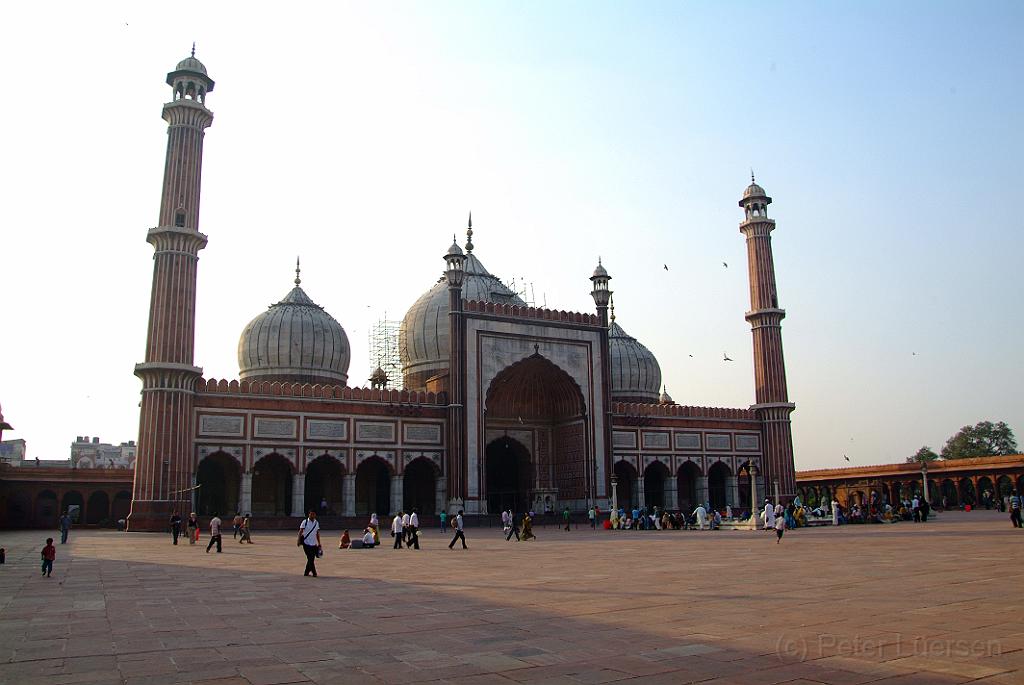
[(978, 482), (684, 490), (273, 488), (35, 497), (537, 452)]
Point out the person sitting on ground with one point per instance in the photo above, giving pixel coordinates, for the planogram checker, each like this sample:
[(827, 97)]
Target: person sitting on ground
[(716, 520), (369, 538), (346, 541)]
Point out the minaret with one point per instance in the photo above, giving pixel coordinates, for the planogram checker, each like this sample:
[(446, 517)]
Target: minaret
[(163, 466), (773, 406), (455, 271)]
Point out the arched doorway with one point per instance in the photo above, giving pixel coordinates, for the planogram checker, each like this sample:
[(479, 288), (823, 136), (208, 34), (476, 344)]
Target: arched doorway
[(967, 493), (373, 487), (509, 476), (718, 478), (625, 487), (272, 487), (689, 475), (73, 503), (419, 486), (949, 493), (654, 485), (123, 504), (324, 482), (743, 488), (98, 511), (986, 491), (46, 509), (535, 396), (217, 478), (1004, 486), (19, 510)]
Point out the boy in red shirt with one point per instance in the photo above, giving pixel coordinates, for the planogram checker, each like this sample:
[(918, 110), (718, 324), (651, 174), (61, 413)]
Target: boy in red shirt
[(49, 554)]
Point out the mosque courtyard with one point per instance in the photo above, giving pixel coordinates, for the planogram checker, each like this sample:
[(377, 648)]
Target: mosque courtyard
[(932, 604)]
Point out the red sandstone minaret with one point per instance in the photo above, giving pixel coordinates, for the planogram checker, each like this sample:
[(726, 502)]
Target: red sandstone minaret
[(765, 317), (163, 468)]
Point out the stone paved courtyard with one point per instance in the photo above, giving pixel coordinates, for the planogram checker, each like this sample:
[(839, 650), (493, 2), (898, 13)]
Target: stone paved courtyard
[(930, 604)]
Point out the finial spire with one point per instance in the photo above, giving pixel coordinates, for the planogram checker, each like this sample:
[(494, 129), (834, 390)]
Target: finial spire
[(193, 48), (298, 270), (469, 234), (752, 174), (611, 300)]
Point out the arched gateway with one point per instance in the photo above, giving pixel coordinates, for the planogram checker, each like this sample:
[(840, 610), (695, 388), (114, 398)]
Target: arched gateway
[(536, 428)]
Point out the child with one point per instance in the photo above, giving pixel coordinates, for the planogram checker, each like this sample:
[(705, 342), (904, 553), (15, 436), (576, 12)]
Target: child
[(780, 528), (49, 554), (346, 541)]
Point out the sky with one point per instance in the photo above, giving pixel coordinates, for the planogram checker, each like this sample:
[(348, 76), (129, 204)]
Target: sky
[(359, 136)]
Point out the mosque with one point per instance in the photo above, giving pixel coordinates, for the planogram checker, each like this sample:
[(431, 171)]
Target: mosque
[(504, 404)]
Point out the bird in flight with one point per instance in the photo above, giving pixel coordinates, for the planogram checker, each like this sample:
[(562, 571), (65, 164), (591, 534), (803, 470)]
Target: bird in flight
[(666, 267), (846, 457), (913, 354), (725, 265), (725, 357), (691, 356)]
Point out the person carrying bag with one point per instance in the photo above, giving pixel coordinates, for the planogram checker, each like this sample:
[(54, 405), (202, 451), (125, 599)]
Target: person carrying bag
[(309, 541)]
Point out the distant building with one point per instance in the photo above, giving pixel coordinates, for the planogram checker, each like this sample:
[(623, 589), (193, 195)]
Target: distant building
[(93, 454), (12, 452)]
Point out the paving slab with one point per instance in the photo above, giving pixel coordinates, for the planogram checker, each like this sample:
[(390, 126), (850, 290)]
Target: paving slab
[(932, 603)]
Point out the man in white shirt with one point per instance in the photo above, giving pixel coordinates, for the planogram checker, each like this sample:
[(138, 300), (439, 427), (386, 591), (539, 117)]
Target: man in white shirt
[(459, 534), (397, 530), (413, 531), (769, 516), (309, 539), (215, 524), (702, 516), (368, 539)]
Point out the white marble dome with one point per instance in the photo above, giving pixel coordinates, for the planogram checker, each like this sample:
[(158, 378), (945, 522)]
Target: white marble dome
[(295, 340), (423, 340), (636, 375), (191, 64)]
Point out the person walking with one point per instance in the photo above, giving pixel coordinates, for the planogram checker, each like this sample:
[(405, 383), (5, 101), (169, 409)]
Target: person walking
[(512, 529), (528, 528), (566, 519), (406, 522), (444, 521), (1015, 510), (926, 509), (65, 526), (49, 554), (459, 533), (236, 525), (215, 524), (309, 540), (193, 528), (780, 528), (592, 516), (397, 530), (175, 526), (246, 530), (414, 531)]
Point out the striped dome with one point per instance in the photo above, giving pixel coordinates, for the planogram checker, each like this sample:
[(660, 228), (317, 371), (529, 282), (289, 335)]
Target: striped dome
[(636, 375), (295, 340)]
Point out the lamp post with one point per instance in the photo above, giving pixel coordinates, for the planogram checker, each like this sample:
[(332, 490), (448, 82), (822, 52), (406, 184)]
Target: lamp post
[(924, 481)]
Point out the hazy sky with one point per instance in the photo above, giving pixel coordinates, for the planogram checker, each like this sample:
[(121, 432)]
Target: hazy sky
[(359, 136)]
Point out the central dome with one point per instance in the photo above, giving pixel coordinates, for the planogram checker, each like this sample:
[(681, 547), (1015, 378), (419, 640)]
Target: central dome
[(423, 340), (296, 341)]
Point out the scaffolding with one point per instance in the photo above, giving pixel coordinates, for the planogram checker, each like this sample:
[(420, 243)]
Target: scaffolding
[(383, 339)]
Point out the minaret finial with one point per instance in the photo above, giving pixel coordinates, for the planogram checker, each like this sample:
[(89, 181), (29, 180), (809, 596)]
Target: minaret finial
[(611, 299), (469, 234), (752, 174), (297, 272), (193, 48)]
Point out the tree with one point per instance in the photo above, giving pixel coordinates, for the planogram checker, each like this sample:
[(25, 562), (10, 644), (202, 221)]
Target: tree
[(922, 455), (984, 439)]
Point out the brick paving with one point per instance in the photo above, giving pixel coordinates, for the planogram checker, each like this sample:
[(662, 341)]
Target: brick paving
[(902, 604)]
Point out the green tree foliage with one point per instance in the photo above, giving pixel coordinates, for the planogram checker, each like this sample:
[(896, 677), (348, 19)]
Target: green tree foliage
[(923, 454), (984, 439)]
